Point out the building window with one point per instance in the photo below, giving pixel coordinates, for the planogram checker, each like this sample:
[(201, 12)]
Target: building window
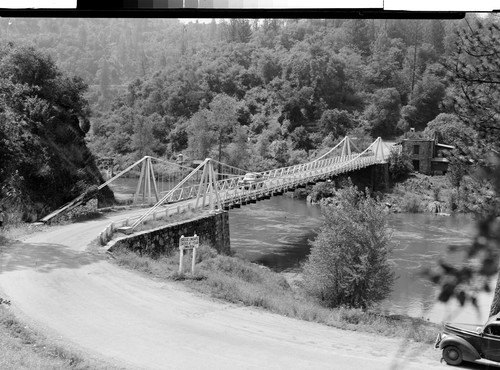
[(416, 149)]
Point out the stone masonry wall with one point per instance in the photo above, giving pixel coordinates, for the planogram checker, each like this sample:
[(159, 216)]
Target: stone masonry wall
[(213, 230), (375, 178)]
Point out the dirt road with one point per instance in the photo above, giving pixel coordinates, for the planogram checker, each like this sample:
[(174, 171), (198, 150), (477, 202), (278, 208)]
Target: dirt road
[(135, 322)]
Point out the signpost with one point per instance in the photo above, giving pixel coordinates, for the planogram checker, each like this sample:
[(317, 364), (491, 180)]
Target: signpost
[(186, 243)]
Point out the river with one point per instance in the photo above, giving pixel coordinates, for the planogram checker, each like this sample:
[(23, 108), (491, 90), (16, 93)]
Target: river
[(275, 233)]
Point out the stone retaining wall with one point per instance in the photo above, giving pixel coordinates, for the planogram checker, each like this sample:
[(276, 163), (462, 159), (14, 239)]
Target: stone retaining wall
[(212, 229)]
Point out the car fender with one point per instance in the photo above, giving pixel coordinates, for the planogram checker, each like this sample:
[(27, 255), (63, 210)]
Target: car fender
[(469, 353)]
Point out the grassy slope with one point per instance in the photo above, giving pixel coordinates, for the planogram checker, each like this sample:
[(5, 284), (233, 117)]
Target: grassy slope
[(239, 281), (23, 348)]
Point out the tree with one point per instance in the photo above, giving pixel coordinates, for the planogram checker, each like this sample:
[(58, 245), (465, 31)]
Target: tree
[(474, 71), (200, 136), (43, 121), (425, 102), (385, 65), (223, 118), (358, 35), (278, 150), (300, 139), (400, 165), (237, 150), (337, 122), (450, 130), (383, 112), (349, 260), (436, 33), (104, 76), (239, 30)]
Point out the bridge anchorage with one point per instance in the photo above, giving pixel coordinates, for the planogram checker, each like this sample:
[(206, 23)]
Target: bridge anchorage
[(203, 188)]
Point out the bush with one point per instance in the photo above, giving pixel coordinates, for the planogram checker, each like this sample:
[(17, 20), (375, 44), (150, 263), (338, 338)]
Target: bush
[(400, 165), (411, 203), (322, 190), (234, 268), (348, 265)]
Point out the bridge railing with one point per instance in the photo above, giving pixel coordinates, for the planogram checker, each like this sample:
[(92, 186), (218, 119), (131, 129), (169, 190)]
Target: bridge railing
[(292, 176), (281, 179), (299, 172)]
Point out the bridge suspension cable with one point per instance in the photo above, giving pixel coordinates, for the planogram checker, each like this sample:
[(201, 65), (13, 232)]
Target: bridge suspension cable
[(216, 189), (221, 188)]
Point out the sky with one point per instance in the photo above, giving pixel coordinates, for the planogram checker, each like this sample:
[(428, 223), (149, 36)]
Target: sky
[(425, 5)]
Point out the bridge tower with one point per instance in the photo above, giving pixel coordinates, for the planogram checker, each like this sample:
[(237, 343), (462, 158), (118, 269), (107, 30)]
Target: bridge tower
[(147, 182), (208, 189), (346, 148)]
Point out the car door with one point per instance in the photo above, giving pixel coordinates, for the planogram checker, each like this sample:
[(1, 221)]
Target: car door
[(490, 342)]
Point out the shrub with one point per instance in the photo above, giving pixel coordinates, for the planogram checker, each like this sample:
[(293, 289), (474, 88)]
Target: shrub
[(411, 203), (322, 190), (348, 264), (234, 268), (205, 252), (400, 165)]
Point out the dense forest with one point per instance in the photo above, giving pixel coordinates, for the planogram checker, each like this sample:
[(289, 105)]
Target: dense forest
[(43, 120), (254, 93)]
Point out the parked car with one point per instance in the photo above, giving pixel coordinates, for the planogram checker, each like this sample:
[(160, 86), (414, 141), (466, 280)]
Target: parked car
[(249, 179), (465, 342)]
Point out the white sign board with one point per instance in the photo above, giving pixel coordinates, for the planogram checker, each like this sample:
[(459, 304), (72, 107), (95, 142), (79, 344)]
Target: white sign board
[(189, 242)]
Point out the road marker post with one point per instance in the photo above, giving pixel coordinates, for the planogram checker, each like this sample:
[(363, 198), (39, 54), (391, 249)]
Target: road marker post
[(188, 243)]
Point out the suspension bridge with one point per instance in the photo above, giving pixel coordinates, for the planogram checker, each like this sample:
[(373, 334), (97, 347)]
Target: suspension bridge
[(169, 188)]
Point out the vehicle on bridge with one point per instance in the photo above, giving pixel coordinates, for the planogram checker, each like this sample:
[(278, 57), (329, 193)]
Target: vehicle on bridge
[(465, 342), (250, 179)]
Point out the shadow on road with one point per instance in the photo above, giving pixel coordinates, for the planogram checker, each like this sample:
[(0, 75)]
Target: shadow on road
[(43, 257)]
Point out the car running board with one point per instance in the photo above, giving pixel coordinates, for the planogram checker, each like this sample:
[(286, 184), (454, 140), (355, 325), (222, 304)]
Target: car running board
[(484, 361)]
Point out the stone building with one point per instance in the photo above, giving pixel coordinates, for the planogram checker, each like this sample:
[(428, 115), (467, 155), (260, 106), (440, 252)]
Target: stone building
[(427, 155)]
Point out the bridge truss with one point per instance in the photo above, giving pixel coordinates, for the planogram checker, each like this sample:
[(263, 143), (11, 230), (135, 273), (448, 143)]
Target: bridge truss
[(170, 188), (218, 191)]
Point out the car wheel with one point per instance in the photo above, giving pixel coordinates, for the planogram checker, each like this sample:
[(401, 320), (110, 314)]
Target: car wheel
[(452, 355)]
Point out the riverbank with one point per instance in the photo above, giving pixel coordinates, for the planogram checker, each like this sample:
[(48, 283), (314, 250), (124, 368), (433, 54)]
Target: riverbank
[(235, 280), (420, 194)]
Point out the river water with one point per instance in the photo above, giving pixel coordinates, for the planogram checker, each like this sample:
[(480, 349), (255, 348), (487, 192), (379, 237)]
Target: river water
[(276, 233)]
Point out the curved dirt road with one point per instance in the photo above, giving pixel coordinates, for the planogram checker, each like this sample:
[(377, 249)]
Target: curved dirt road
[(135, 322)]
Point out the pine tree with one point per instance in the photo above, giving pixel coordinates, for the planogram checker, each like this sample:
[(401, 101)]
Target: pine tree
[(475, 72)]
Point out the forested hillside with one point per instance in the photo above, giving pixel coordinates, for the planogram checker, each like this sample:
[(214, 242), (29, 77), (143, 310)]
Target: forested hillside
[(43, 120), (254, 93)]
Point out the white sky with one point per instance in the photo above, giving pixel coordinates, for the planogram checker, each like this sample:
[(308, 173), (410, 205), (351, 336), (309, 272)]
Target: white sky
[(23, 4), (429, 5)]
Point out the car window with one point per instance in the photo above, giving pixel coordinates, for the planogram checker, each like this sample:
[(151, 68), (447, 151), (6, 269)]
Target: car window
[(493, 330)]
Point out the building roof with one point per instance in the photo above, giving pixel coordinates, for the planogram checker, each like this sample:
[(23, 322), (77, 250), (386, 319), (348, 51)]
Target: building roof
[(445, 146)]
